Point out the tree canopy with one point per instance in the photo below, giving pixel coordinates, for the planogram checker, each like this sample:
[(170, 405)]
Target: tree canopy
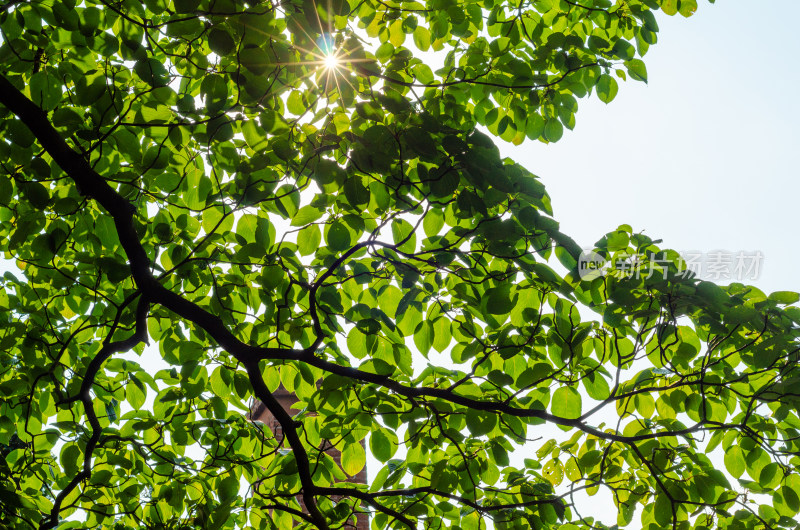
[(304, 194)]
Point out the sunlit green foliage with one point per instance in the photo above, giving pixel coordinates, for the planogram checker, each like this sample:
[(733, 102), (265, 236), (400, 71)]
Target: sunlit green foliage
[(197, 175)]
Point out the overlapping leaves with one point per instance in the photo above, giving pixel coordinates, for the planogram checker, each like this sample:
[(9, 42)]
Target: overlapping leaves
[(351, 237)]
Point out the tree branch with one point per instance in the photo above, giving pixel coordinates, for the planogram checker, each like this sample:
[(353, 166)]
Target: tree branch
[(290, 434), (91, 184), (84, 396)]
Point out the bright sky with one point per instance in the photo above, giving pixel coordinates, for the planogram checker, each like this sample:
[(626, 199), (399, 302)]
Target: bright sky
[(705, 157)]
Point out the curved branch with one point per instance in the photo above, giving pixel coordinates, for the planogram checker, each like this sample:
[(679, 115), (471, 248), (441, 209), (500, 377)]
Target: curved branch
[(108, 349), (369, 498), (91, 184), (290, 434)]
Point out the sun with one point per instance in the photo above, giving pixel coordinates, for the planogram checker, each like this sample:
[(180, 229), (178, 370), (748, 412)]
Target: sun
[(331, 61)]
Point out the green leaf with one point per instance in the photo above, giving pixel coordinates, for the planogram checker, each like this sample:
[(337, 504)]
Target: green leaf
[(423, 73), (403, 235), (228, 488), (221, 42), (624, 50), (135, 395), (215, 91), (186, 6), (295, 103), (152, 72), (353, 458), (19, 133), (785, 297), (597, 386), (247, 226), (770, 476), (369, 110), (553, 472), (255, 136), (607, 88), (670, 7), (433, 222), (499, 300), (445, 184), (45, 90), (441, 334), (662, 509), (218, 384), (423, 337), (687, 7), (305, 215), (422, 38), (553, 130), (480, 422), (71, 459), (566, 403), (734, 461), (356, 193), (534, 127), (37, 194), (338, 236), (308, 240), (383, 445), (219, 130), (637, 69), (255, 59)]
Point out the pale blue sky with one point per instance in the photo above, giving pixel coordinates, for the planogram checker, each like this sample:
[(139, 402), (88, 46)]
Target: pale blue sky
[(705, 156)]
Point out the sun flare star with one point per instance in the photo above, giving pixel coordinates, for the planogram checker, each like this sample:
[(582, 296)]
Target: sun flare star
[(331, 62)]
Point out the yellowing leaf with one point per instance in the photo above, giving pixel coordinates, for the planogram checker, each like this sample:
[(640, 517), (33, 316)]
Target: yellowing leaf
[(396, 34)]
